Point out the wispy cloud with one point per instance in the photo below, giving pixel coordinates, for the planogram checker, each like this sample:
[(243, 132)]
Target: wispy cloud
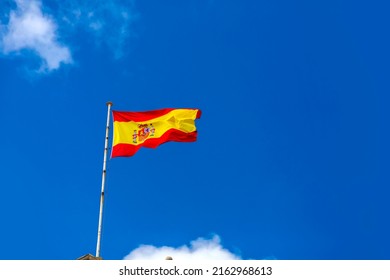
[(199, 249), (27, 27), (30, 29), (109, 22)]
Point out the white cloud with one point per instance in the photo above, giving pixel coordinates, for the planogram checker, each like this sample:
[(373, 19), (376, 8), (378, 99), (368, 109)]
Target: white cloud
[(199, 249), (29, 29)]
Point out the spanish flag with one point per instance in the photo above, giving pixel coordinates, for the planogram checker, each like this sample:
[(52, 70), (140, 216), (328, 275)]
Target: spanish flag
[(133, 130)]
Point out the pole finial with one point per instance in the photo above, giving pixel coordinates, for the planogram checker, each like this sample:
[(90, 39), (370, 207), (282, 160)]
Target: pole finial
[(109, 103)]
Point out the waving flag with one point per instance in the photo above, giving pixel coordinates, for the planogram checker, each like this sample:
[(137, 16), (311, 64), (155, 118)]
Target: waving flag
[(133, 130)]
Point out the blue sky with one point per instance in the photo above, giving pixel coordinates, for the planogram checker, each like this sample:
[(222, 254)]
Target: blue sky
[(292, 155)]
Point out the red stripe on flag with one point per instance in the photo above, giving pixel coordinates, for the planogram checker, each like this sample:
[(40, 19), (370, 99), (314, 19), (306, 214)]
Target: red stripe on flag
[(145, 116), (128, 150), (139, 116)]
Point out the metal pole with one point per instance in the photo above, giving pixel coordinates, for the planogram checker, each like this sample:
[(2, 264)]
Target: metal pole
[(109, 104)]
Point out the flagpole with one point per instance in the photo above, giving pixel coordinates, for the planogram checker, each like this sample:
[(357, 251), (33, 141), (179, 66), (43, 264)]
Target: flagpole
[(109, 104)]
